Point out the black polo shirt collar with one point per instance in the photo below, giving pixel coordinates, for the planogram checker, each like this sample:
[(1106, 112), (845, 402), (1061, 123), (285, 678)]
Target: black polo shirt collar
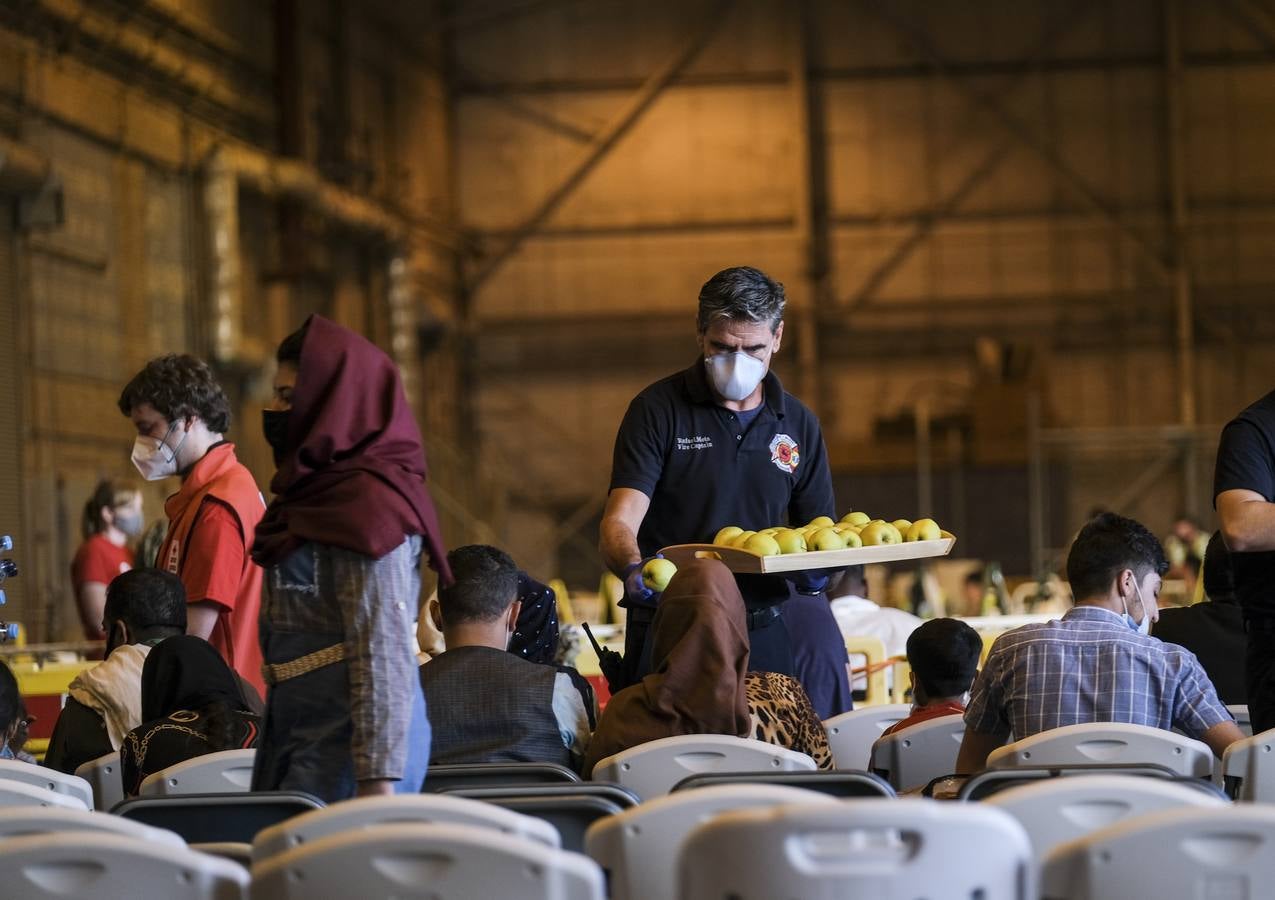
[(699, 391)]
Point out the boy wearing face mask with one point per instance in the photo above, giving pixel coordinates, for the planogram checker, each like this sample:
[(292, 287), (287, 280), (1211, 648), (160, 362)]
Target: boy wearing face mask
[(181, 414), (722, 443), (1098, 663)]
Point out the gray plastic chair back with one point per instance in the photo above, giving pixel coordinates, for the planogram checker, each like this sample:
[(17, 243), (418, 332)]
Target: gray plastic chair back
[(19, 793), (364, 812), (637, 846), (1248, 767), (103, 776), (219, 818), (49, 779), (1059, 810), (440, 779), (867, 848), (844, 784), (915, 756), (24, 820), (651, 769), (444, 862), (852, 734), (1242, 718), (990, 782), (101, 864), (227, 771), (1185, 852), (1107, 742)]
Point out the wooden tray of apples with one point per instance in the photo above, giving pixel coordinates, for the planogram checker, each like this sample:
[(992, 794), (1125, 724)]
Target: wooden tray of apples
[(822, 544)]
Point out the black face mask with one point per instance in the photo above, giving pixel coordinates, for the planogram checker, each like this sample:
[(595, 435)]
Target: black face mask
[(274, 425)]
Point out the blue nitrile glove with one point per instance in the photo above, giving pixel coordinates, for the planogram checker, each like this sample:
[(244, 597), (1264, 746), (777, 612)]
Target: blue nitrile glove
[(636, 593), (810, 582)]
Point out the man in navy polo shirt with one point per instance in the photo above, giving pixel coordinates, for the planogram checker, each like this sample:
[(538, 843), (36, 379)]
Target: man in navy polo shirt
[(721, 443)]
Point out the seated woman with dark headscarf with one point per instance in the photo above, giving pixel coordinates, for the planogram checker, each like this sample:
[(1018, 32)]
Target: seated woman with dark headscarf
[(191, 705), (699, 681)]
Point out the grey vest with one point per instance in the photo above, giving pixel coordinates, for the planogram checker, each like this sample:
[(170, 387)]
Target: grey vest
[(486, 705)]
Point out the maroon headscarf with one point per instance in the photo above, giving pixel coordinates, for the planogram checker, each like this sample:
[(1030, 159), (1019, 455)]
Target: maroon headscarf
[(353, 470)]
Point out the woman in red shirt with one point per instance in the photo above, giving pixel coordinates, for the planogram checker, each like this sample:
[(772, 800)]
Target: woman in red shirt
[(111, 516)]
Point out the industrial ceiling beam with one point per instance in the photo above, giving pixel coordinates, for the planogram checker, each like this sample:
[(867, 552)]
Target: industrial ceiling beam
[(954, 198), (993, 105), (606, 140)]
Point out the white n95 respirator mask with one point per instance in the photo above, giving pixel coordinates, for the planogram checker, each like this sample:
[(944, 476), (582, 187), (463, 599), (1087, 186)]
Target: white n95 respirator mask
[(735, 375)]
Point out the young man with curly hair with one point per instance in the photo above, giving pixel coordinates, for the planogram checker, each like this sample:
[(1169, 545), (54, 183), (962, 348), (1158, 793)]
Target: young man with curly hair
[(181, 414)]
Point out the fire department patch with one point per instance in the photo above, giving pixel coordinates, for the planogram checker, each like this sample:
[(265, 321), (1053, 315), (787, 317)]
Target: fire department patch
[(783, 453)]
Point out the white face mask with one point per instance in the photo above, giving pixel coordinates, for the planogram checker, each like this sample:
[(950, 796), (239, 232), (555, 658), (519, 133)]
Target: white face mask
[(735, 375), (1143, 627), (154, 459)]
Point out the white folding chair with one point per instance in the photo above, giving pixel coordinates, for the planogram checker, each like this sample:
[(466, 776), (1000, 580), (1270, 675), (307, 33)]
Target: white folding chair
[(212, 773), (636, 847), (364, 812), (103, 776), (1106, 742), (1187, 852), (25, 820), (852, 734), (100, 864), (1242, 718), (49, 779), (19, 793), (442, 862), (911, 758), (1253, 761), (651, 769), (877, 848), (1058, 810)]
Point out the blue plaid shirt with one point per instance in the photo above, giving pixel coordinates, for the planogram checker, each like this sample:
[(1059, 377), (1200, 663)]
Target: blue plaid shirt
[(1090, 666)]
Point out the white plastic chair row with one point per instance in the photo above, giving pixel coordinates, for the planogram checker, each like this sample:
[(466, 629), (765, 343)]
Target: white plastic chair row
[(852, 734), (1252, 760), (1107, 743)]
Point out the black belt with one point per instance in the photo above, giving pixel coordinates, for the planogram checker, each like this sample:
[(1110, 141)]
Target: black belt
[(760, 618)]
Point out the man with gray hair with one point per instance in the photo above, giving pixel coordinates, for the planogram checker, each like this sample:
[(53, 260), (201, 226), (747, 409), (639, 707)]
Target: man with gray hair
[(722, 443)]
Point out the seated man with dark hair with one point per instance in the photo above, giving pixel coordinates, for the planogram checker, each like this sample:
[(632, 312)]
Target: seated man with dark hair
[(943, 654), (485, 704), (1213, 630), (104, 703), (1098, 663)]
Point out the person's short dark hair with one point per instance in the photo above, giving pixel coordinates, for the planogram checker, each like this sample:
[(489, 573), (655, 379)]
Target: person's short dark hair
[(1219, 577), (1106, 546), (290, 347), (741, 294), (179, 386), (484, 586), (943, 654), (144, 599), (10, 700), (850, 580)]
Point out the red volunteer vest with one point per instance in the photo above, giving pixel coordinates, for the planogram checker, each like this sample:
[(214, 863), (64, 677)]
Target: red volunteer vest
[(221, 476)]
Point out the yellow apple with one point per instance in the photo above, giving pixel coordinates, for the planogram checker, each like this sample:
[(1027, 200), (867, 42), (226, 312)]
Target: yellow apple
[(770, 531), (856, 518), (902, 525), (740, 539), (947, 535), (821, 522), (853, 541), (657, 573), (762, 545), (791, 541), (727, 534), (827, 539), (878, 533), (924, 530)]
